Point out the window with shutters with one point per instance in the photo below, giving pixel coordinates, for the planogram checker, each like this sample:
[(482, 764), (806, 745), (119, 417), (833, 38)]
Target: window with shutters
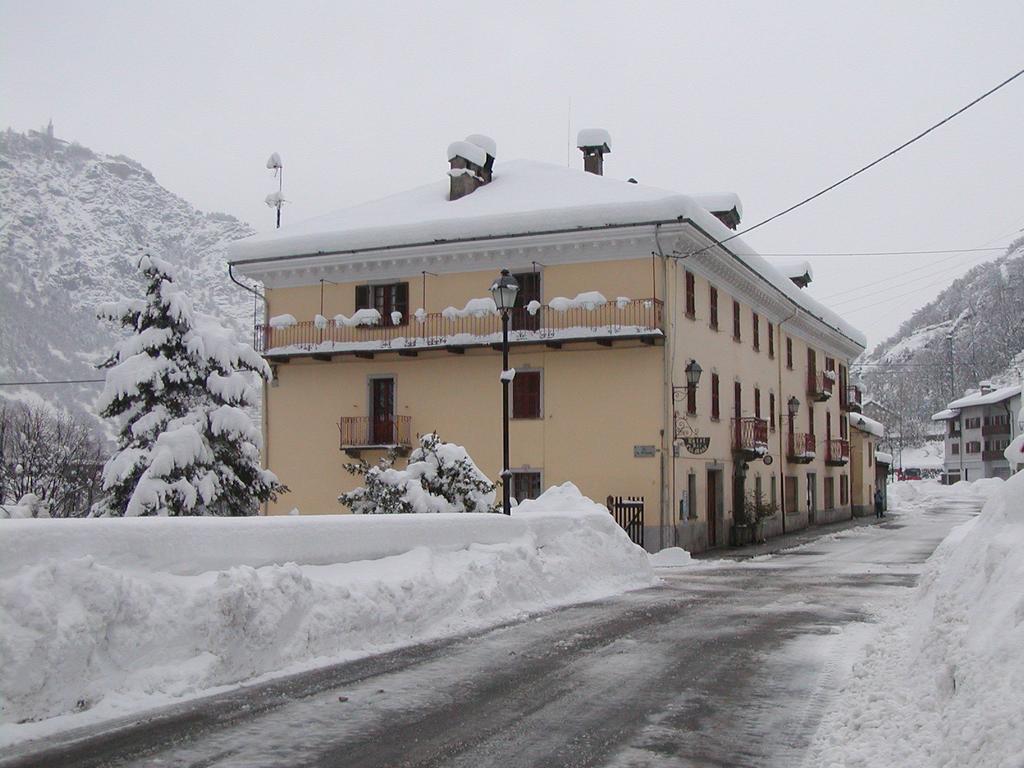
[(771, 411), (789, 353), (810, 419), (830, 493), (387, 299), (771, 340), (715, 412), (757, 332), (526, 484), (735, 320), (757, 403), (737, 400), (691, 296), (713, 307), (526, 395), (844, 490), (955, 449)]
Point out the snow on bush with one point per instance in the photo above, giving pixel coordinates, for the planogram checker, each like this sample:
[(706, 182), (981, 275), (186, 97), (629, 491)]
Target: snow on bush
[(440, 477), (110, 634), (179, 385), (943, 683)]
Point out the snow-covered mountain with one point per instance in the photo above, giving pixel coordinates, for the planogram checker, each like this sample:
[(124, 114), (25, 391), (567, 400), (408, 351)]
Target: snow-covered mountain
[(70, 222), (983, 312)]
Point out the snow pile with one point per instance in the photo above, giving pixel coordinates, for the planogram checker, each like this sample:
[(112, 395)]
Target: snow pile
[(474, 308), (588, 300), (943, 684), (912, 495), (109, 622), (359, 317), (671, 557), (28, 506)]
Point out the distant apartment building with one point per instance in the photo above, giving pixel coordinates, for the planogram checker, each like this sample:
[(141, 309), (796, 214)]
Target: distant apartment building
[(381, 328), (978, 428)]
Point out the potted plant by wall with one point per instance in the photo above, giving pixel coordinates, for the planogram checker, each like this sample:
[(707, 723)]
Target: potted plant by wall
[(749, 527)]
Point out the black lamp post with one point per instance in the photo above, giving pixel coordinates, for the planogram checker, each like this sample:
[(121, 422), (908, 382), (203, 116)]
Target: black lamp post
[(793, 406), (504, 291)]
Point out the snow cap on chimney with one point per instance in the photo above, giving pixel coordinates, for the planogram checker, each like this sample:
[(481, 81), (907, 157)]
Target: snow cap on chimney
[(470, 168), (595, 143), (986, 387)]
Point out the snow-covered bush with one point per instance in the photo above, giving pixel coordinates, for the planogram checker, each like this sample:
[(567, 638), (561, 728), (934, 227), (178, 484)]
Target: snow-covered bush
[(440, 477), (179, 384)]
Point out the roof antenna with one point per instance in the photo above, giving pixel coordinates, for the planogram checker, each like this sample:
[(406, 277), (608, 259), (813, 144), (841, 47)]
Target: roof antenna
[(276, 199), (568, 135)]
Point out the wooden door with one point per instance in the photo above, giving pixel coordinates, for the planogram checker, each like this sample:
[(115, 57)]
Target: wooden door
[(382, 411), (529, 290), (712, 508)]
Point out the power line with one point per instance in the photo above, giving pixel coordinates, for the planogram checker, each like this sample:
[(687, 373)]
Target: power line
[(886, 253), (887, 279), (60, 381), (861, 170)]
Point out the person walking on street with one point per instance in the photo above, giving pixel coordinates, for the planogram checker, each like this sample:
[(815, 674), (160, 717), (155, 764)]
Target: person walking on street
[(879, 500)]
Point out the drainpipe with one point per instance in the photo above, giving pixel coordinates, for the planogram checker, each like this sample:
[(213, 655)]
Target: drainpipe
[(265, 431), (780, 402), (667, 444)]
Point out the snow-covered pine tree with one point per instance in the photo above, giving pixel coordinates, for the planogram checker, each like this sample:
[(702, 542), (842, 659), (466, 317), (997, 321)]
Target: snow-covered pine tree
[(440, 477), (179, 385)]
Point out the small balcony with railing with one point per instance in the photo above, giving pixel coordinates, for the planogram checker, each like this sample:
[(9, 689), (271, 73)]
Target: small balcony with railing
[(854, 399), (819, 384), (367, 333), (992, 454), (995, 429), (750, 436), (800, 448), (366, 433), (837, 453)]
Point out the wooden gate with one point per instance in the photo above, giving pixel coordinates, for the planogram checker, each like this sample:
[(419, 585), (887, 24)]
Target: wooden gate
[(628, 512)]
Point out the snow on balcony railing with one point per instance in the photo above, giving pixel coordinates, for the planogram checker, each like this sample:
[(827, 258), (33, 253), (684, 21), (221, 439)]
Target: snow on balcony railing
[(750, 435), (837, 452), (621, 318), (853, 399), (819, 385), (801, 446)]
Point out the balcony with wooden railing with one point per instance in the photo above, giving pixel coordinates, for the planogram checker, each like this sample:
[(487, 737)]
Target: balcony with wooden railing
[(605, 324), (837, 453), (359, 433), (800, 448), (995, 429), (994, 454), (853, 399), (750, 436), (819, 385)]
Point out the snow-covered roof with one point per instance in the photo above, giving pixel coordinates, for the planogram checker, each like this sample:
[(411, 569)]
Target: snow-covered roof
[(978, 398), (949, 413), (864, 424), (525, 197), (883, 458), (720, 201)]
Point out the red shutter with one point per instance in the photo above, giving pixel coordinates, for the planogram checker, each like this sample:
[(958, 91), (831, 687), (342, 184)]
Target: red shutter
[(757, 331), (715, 412), (363, 300), (771, 340), (735, 319), (713, 306), (737, 406), (526, 395), (757, 403), (401, 302)]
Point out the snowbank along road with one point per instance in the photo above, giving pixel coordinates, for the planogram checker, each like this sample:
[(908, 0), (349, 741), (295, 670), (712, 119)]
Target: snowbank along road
[(724, 664)]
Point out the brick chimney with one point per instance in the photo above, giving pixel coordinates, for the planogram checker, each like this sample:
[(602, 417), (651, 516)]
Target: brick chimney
[(472, 164), (594, 143)]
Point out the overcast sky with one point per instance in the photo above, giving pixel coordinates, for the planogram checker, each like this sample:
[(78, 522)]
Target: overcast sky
[(770, 100)]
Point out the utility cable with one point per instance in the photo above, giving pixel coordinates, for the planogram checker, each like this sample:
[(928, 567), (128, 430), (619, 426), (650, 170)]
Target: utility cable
[(61, 381), (861, 170)]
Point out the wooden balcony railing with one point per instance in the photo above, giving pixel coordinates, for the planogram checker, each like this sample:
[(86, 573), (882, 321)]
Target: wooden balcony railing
[(819, 386), (750, 435), (854, 398), (382, 431), (837, 452), (992, 455), (800, 448), (995, 429), (616, 319)]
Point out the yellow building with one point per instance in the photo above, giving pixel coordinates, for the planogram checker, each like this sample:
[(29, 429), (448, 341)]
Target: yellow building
[(621, 287)]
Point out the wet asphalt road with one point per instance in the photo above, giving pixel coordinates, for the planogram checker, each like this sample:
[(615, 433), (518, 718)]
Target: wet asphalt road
[(725, 664)]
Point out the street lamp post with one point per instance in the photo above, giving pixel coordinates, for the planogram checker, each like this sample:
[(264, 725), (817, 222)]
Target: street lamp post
[(504, 290)]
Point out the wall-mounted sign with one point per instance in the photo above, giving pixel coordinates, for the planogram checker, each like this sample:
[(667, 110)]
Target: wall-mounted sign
[(697, 445), (644, 451)]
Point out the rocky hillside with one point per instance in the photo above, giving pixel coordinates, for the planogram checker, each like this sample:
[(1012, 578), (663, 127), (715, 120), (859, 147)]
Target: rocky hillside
[(70, 222), (983, 312)]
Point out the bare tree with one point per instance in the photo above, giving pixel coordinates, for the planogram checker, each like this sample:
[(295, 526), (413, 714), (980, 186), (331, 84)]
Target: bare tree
[(49, 455)]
